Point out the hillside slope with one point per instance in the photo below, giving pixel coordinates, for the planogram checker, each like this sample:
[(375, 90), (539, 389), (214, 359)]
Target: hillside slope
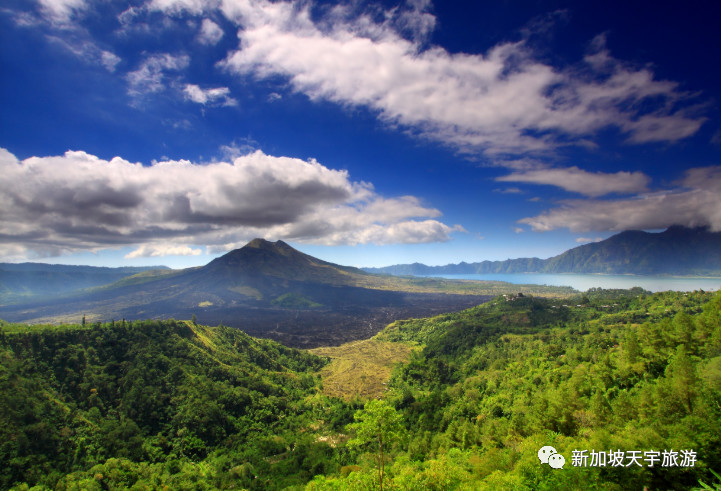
[(676, 251), (150, 405), (159, 396), (617, 374)]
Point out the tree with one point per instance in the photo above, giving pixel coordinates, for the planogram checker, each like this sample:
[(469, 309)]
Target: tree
[(376, 426)]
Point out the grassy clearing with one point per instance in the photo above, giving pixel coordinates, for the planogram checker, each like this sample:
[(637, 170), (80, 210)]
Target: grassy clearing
[(361, 368)]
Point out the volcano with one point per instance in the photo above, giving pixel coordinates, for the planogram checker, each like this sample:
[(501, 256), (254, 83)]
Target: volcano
[(268, 289)]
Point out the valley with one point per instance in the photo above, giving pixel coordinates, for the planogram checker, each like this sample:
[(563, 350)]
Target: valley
[(475, 393), (360, 369), (475, 376)]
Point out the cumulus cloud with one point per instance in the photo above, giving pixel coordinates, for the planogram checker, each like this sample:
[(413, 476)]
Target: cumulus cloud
[(77, 201), (695, 202), (159, 250), (210, 32), (150, 75), (585, 240), (219, 95), (592, 184)]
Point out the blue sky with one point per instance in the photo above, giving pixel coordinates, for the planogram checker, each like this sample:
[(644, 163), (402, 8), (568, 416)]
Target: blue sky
[(368, 134)]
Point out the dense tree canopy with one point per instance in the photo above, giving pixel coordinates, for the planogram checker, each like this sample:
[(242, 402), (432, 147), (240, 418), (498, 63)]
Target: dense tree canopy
[(157, 402), (624, 376)]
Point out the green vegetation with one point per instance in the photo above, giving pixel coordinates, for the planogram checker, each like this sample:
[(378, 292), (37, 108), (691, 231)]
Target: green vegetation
[(294, 301), (377, 425), (153, 404), (471, 399), (610, 370)]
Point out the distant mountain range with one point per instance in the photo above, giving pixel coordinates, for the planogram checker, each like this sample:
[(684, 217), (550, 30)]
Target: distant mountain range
[(270, 289), (266, 288), (19, 281), (676, 251)]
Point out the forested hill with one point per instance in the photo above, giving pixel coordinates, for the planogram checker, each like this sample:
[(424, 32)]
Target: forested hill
[(150, 405), (614, 372), (143, 403), (27, 280), (676, 251)]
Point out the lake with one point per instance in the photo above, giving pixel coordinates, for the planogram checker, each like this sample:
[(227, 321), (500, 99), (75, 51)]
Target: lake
[(583, 282)]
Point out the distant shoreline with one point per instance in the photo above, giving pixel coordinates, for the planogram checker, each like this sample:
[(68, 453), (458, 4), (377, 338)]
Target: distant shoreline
[(662, 275), (585, 281)]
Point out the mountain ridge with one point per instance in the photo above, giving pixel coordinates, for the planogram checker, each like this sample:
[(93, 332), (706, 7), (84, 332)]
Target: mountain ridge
[(676, 251)]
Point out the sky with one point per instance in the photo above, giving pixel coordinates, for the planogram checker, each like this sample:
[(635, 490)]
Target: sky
[(168, 132)]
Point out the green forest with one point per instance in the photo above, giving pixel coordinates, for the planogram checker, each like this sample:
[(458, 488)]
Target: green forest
[(177, 405)]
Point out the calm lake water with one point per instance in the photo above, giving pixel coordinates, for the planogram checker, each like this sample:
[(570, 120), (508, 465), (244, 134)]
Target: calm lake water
[(583, 282)]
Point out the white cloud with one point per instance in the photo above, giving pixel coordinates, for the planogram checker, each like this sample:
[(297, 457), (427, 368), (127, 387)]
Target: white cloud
[(59, 12), (14, 253), (238, 148), (512, 190), (60, 21), (416, 19), (109, 60), (210, 32), (503, 101), (159, 250), (85, 49), (585, 240), (172, 7), (695, 203), (128, 16), (150, 76), (580, 181), (77, 201), (219, 95)]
